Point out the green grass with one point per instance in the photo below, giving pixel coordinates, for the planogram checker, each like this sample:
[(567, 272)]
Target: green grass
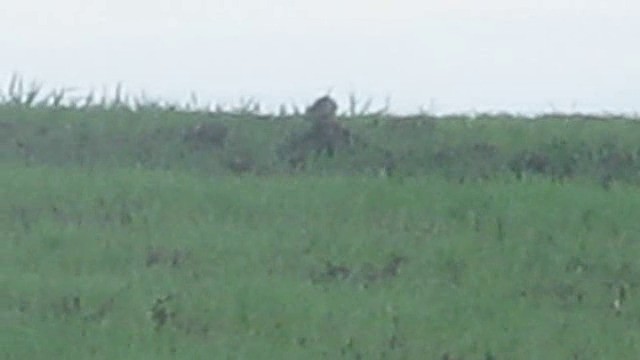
[(457, 148), (247, 267), (121, 240)]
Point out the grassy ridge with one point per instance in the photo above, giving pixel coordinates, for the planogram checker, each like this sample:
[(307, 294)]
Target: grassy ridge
[(140, 263), (459, 148), (491, 237)]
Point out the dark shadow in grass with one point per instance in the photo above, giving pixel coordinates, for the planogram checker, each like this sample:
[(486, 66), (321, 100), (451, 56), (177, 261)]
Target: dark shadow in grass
[(206, 135), (367, 275), (167, 257)]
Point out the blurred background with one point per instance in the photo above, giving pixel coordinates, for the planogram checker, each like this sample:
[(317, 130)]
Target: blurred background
[(440, 56)]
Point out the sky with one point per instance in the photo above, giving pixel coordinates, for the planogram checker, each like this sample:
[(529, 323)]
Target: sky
[(442, 56)]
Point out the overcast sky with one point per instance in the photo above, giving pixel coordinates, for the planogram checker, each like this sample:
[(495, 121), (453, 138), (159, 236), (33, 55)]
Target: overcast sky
[(445, 55)]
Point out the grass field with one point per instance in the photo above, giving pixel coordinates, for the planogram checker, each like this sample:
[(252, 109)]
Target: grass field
[(121, 239)]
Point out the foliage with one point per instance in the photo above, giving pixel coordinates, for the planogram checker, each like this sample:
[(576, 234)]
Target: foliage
[(127, 232)]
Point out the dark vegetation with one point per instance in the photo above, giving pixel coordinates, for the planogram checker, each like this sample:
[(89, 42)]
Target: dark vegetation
[(463, 148)]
